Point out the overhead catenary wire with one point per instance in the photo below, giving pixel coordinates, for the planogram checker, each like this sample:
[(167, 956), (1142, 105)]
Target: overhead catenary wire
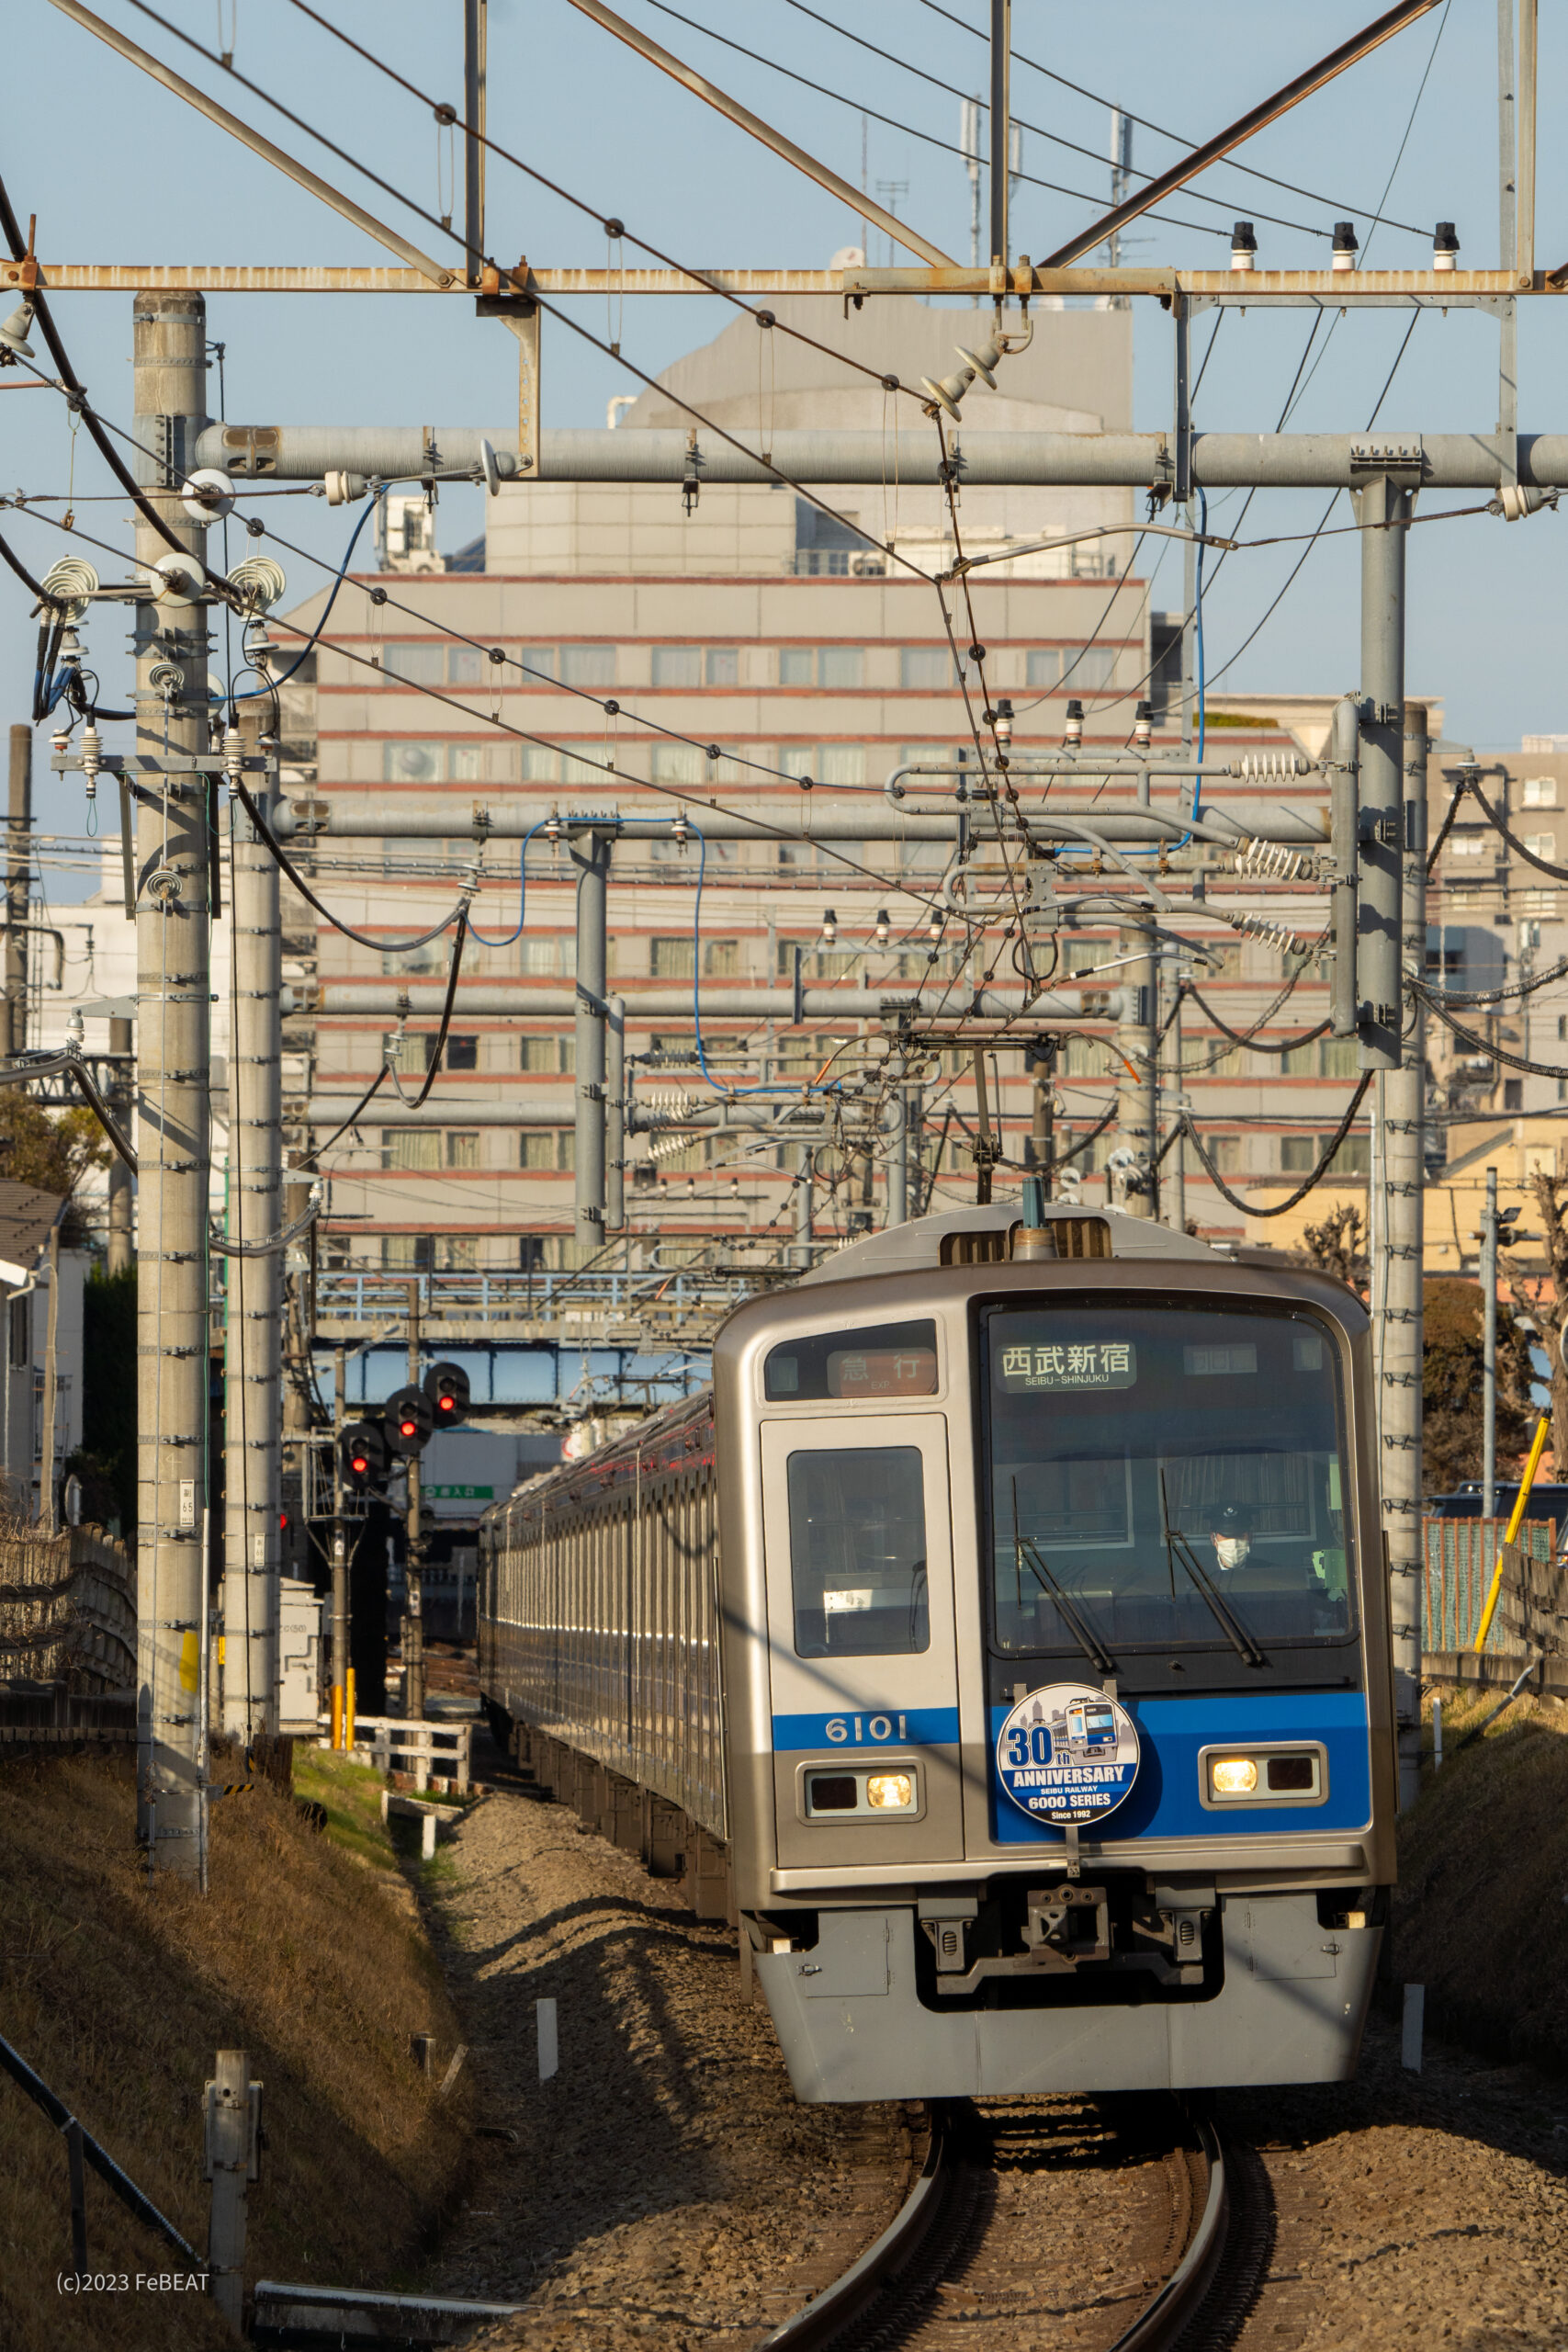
[(1113, 105)]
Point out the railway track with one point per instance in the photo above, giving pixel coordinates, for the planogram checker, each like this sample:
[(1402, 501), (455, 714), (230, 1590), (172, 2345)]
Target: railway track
[(1009, 2227)]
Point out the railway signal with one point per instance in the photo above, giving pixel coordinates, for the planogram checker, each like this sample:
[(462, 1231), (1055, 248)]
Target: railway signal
[(408, 1419), (447, 1386), (364, 1450)]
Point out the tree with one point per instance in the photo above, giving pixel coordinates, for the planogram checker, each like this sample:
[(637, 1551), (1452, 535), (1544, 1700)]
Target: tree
[(1544, 1298), (1453, 1409), (51, 1150), (1337, 1247)]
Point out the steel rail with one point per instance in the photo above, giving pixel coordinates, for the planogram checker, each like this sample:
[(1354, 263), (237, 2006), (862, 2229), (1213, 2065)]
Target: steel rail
[(823, 2322)]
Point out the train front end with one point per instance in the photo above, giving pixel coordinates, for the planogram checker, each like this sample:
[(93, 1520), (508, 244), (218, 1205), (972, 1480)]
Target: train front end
[(1058, 1665)]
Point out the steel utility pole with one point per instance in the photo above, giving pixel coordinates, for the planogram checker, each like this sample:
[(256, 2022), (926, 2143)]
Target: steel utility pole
[(340, 1550), (253, 1350), (1137, 948), (475, 32), (1489, 1349), (1001, 126), (1179, 1149), (118, 1258), (1041, 1127), (173, 963), (590, 855), (18, 882), (413, 1613)]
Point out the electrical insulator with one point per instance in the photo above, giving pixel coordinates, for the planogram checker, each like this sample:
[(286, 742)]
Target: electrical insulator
[(1244, 247), (830, 927), (1444, 247), (1344, 246), (883, 926), (682, 832), (1143, 725), (552, 826), (1073, 730)]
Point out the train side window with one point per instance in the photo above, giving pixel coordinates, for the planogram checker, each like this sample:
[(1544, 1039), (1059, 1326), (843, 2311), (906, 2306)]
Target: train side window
[(885, 1359), (857, 1548)]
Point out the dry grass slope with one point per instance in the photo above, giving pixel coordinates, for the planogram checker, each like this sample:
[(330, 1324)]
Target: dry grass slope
[(1481, 1914), (119, 1994)]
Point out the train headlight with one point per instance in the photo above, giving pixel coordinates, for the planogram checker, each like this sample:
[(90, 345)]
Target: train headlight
[(890, 1792), (1231, 1776)]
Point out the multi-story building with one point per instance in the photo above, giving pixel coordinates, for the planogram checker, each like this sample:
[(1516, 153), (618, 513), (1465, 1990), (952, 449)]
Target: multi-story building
[(748, 648)]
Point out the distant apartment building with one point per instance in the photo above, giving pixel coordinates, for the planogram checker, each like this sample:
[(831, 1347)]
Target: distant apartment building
[(748, 649)]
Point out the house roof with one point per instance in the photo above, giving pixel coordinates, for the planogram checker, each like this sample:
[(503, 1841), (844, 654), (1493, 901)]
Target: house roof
[(26, 1216)]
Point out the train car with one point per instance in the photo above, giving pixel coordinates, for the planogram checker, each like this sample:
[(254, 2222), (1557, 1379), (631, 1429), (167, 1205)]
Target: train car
[(1004, 1646)]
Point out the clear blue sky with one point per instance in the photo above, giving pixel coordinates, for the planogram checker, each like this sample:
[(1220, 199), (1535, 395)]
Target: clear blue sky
[(117, 170)]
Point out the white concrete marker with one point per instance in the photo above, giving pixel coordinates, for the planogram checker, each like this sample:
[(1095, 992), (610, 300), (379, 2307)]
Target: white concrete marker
[(1410, 2038), (1436, 1735), (550, 2048)]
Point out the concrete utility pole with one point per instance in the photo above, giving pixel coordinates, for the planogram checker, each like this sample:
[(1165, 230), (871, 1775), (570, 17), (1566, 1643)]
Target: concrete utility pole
[(414, 1614), (590, 855), (1043, 1123), (118, 1258), (1002, 124), (1489, 1349), (173, 962), (232, 2139), (1178, 1219), (1137, 950), (253, 1348), (19, 881)]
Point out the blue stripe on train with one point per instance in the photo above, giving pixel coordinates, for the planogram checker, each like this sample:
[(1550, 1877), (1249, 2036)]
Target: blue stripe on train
[(1165, 1801), (891, 1727)]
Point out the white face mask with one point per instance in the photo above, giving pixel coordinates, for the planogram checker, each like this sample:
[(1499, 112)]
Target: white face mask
[(1232, 1551)]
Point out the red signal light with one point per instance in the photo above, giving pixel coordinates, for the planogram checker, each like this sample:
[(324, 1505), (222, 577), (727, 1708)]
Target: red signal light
[(406, 1428), (359, 1463), (445, 1403)]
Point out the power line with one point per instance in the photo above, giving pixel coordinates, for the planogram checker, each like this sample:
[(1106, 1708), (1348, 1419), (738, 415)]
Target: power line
[(1114, 106)]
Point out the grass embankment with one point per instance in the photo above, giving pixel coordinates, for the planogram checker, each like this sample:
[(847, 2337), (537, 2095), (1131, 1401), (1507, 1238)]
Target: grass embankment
[(305, 1953), (1480, 1912)]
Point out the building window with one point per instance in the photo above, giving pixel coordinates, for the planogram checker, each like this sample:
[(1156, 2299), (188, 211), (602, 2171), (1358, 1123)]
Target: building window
[(923, 666), (723, 666), (1541, 792), (677, 665), (462, 1149), (407, 1253), (587, 665), (465, 665), (798, 666), (462, 1053), (540, 659), (672, 959), (406, 1054), (1513, 1095), (1092, 671), (841, 666), (20, 1334), (541, 955), (1539, 904), (406, 762), (458, 1253), (1354, 1157), (417, 661), (1541, 845), (410, 1148), (1226, 1153), (398, 962), (680, 764), (465, 763), (1467, 845), (1044, 667), (721, 959), (1336, 1058), (547, 1055), (1298, 1155)]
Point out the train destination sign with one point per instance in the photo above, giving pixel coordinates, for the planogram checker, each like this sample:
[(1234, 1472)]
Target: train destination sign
[(1069, 1363), (1067, 1755)]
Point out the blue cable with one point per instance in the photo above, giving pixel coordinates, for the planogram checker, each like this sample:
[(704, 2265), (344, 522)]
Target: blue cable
[(522, 893), (254, 693)]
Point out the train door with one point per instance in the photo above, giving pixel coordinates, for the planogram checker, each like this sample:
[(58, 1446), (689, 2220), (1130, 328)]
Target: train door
[(864, 1695)]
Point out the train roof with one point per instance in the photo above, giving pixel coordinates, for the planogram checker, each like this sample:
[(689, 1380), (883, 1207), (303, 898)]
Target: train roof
[(927, 1241)]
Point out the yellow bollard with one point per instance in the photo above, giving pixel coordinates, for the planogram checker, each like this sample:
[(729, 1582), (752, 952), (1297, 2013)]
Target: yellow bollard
[(1515, 1518), (337, 1715), (348, 1713)]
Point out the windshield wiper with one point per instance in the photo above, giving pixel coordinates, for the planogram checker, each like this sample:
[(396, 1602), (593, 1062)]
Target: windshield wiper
[(1025, 1552), (1177, 1547)]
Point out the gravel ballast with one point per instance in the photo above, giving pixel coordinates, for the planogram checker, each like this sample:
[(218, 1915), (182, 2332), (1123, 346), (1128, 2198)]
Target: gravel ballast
[(666, 2189)]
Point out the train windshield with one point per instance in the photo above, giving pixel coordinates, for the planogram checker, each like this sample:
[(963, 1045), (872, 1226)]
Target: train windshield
[(1161, 1478)]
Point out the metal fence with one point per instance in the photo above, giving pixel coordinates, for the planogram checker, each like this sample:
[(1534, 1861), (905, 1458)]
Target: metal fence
[(67, 1612), (1461, 1556), (536, 1296)]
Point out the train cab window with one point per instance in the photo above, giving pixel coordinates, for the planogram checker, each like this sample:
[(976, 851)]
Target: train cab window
[(1165, 1479), (886, 1360), (857, 1551)]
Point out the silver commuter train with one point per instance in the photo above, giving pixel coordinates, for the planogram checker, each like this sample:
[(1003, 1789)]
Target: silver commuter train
[(1003, 1646)]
